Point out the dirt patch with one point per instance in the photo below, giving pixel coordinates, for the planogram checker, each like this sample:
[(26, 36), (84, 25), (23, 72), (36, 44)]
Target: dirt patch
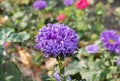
[(109, 21)]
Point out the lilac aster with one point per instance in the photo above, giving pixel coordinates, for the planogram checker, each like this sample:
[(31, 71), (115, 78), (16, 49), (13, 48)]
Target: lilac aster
[(56, 39), (109, 39), (118, 62), (68, 2), (69, 78), (39, 4), (56, 76), (92, 49)]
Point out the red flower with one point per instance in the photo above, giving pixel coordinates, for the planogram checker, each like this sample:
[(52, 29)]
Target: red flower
[(60, 17), (81, 4)]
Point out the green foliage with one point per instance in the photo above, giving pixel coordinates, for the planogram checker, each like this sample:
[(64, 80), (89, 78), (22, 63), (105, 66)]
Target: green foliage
[(10, 73), (95, 67), (8, 35)]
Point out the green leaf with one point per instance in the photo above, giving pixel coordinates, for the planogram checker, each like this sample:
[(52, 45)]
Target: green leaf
[(5, 33), (1, 51), (73, 68), (10, 73), (8, 78), (18, 15), (13, 38), (90, 75), (23, 35), (23, 25), (20, 37)]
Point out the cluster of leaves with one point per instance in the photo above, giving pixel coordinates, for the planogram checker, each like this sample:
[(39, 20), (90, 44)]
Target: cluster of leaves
[(8, 35), (8, 70), (95, 67)]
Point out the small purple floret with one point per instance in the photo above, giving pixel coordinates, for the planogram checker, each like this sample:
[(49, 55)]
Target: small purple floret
[(69, 78), (56, 76), (118, 62), (117, 47), (68, 2), (92, 49), (39, 4)]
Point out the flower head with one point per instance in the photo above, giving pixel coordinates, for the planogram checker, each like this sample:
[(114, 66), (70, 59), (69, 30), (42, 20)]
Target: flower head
[(60, 17), (92, 49), (68, 2), (81, 4), (118, 62), (39, 4), (109, 39), (56, 39)]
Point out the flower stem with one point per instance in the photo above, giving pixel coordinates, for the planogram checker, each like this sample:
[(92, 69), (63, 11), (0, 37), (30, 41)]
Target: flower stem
[(60, 67)]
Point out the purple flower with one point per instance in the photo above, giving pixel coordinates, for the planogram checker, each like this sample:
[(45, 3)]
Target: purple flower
[(39, 4), (68, 78), (92, 49), (118, 62), (68, 2), (56, 39), (56, 76), (109, 39), (104, 35), (117, 47), (3, 43)]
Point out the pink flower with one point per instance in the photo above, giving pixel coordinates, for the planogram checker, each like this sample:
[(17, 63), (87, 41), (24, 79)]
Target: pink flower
[(81, 4), (60, 17)]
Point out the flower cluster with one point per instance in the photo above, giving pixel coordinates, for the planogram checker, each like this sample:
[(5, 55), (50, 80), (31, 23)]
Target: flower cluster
[(92, 49), (68, 2), (39, 4), (81, 4), (110, 40), (56, 39)]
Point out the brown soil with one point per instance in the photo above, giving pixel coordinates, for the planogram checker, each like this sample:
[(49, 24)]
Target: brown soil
[(109, 21)]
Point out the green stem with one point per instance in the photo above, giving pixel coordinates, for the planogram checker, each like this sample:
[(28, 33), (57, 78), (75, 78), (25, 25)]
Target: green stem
[(60, 67), (38, 58)]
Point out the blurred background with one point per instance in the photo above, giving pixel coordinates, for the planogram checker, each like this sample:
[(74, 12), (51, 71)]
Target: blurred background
[(20, 22)]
